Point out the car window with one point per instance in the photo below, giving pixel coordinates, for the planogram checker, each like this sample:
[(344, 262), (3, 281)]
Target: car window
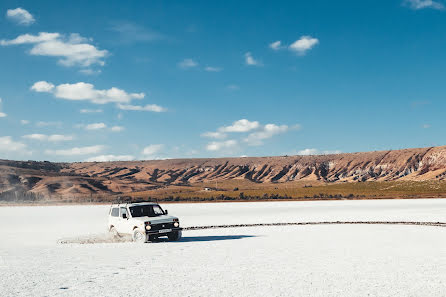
[(123, 211), (115, 212)]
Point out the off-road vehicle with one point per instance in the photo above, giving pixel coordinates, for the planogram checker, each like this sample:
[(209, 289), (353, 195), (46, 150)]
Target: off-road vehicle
[(144, 221)]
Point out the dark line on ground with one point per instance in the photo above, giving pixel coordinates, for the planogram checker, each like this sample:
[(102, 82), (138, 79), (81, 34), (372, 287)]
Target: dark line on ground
[(432, 224)]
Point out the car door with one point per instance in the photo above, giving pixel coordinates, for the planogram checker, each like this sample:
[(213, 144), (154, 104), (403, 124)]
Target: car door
[(123, 222)]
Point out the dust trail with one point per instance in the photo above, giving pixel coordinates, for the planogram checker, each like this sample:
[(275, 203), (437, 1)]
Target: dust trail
[(108, 238), (432, 224), (94, 238)]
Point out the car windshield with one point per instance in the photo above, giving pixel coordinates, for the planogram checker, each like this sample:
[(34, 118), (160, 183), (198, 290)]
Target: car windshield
[(146, 211)]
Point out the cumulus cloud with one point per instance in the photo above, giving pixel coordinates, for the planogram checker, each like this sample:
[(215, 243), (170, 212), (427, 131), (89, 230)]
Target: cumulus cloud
[(117, 129), (42, 87), (242, 125), (7, 144), (152, 149), (77, 151), (24, 122), (86, 92), (109, 158), (421, 4), (239, 126), (213, 69), (219, 145), (72, 50), (267, 131), (95, 126), (50, 138), (148, 107), (187, 63), (257, 133), (250, 61), (20, 16), (304, 44), (276, 45)]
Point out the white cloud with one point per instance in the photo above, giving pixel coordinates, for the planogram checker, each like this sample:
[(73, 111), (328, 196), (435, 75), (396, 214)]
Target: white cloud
[(86, 92), (90, 110), (267, 131), (242, 125), (148, 107), (304, 44), (421, 4), (219, 145), (20, 16), (276, 45), (117, 129), (95, 126), (24, 122), (72, 50), (313, 151), (77, 151), (187, 63), (426, 126), (42, 86), (7, 144), (109, 158), (152, 149), (249, 60), (50, 138), (213, 69)]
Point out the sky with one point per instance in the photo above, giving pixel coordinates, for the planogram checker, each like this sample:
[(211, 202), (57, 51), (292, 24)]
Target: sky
[(136, 80)]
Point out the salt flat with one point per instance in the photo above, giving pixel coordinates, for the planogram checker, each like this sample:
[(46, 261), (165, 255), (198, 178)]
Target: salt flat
[(333, 260)]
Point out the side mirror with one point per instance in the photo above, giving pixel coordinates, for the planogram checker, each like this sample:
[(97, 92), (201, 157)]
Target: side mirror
[(124, 216), (165, 211)]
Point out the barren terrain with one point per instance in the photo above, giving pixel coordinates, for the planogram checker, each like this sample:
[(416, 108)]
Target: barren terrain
[(400, 173), (308, 260)]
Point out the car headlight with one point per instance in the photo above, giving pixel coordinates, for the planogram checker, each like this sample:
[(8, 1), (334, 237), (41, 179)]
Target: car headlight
[(148, 227), (176, 224)]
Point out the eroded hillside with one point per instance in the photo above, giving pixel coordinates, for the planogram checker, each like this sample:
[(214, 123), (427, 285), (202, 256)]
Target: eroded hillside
[(109, 178)]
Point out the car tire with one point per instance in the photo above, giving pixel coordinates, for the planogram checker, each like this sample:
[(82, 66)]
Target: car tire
[(139, 236), (175, 235), (113, 233)]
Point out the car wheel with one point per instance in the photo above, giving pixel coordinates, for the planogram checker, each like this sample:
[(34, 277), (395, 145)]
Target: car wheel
[(139, 236), (175, 235), (114, 233)]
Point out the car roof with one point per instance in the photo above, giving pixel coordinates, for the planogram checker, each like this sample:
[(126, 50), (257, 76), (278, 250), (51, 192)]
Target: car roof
[(134, 204)]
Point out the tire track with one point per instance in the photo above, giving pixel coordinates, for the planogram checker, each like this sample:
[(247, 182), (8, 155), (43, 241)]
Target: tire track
[(431, 224)]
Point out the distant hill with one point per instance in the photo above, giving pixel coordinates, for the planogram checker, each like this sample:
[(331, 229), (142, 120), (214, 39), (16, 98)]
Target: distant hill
[(180, 176)]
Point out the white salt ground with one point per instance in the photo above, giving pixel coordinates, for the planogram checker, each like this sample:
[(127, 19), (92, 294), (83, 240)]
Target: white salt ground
[(332, 260)]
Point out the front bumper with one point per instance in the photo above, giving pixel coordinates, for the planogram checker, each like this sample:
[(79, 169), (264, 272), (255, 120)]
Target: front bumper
[(157, 232)]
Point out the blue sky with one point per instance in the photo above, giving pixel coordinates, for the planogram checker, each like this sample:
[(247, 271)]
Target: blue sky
[(114, 80)]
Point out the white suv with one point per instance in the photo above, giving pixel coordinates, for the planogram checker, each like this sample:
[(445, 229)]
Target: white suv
[(145, 221)]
